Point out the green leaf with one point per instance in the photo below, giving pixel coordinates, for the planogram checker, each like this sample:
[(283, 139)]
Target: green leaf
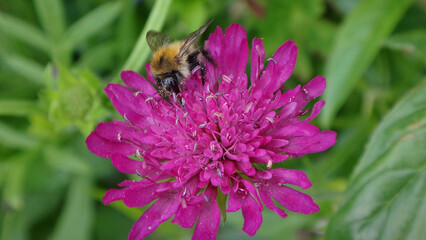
[(13, 138), (25, 67), (357, 44), (17, 107), (413, 42), (76, 219), (68, 161), (141, 50), (51, 15), (14, 182), (92, 23), (20, 30), (386, 197)]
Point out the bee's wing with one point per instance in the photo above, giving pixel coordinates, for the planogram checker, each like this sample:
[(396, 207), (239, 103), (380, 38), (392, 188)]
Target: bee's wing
[(156, 39), (191, 39)]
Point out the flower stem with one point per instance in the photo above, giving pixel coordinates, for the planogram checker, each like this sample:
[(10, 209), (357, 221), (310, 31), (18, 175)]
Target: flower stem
[(141, 50)]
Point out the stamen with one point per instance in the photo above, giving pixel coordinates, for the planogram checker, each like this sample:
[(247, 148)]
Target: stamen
[(139, 174), (219, 173), (208, 88), (211, 96), (269, 164), (203, 125), (176, 120), (226, 79), (174, 98), (194, 133), (218, 114), (271, 59), (149, 99), (248, 107), (270, 119), (185, 115), (195, 147), (183, 101), (138, 153), (125, 118), (137, 92), (195, 69), (207, 199), (119, 137), (220, 93), (304, 112)]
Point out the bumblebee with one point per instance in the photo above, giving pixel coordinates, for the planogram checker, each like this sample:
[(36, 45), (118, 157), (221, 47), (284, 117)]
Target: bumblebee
[(173, 62)]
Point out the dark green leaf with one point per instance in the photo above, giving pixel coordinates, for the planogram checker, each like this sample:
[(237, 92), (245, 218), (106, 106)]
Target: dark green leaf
[(356, 46), (93, 23), (385, 198)]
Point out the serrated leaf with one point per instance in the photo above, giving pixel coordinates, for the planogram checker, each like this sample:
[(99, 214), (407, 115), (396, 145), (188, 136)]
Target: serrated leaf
[(386, 197), (356, 46), (92, 23), (76, 219)]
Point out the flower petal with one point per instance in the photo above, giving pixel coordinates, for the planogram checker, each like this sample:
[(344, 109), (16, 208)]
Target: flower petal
[(158, 213), (105, 148), (252, 216), (293, 200), (137, 82), (209, 219), (310, 144), (257, 59), (290, 176)]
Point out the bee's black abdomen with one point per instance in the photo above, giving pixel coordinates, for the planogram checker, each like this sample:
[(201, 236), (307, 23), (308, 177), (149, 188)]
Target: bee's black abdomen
[(208, 56), (193, 61)]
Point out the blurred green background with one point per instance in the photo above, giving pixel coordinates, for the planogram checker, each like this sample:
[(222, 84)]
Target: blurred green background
[(56, 56)]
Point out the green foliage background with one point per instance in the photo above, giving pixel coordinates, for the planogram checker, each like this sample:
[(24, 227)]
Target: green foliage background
[(56, 56)]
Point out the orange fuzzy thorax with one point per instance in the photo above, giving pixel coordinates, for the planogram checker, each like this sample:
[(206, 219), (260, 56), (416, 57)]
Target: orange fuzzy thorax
[(165, 58)]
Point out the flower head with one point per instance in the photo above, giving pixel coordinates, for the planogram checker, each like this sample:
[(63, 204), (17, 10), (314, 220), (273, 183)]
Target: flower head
[(220, 136)]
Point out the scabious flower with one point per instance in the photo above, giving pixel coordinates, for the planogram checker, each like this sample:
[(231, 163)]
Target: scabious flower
[(222, 136)]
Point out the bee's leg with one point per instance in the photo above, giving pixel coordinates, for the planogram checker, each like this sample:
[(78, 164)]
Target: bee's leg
[(208, 56), (203, 72)]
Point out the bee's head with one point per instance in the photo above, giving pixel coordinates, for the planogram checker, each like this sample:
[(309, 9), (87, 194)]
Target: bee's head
[(170, 83)]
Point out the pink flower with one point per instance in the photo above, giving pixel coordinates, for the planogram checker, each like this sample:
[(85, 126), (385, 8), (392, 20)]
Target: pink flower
[(225, 137)]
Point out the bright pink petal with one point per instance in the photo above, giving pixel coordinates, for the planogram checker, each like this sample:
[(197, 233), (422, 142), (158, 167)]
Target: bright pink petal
[(187, 216), (209, 219), (252, 216), (293, 200), (137, 82), (257, 59), (310, 144), (315, 111), (290, 176), (158, 213), (105, 148)]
